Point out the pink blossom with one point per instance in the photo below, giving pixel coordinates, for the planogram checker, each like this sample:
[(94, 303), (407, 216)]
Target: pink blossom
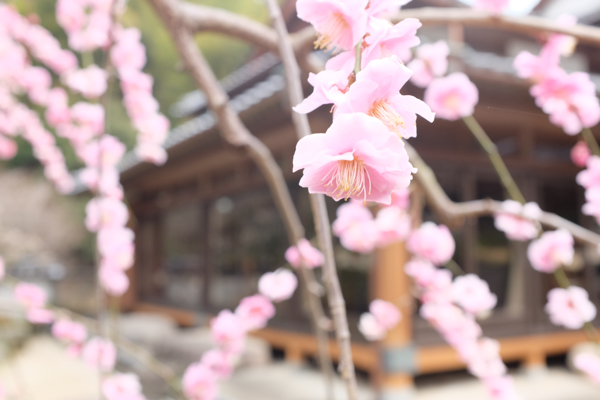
[(357, 158), (452, 97), (58, 111), (151, 153), (255, 311), (40, 315), (304, 255), (100, 353), (8, 148), (140, 105), (122, 387), (89, 116), (113, 280), (69, 331), (517, 220), (386, 313), (438, 287), (219, 362), (128, 53), (385, 40), (2, 268), (70, 15), (422, 271), (104, 213), (228, 330), (590, 177), (370, 327), (394, 225), (484, 360), (501, 388), (376, 93), (90, 82), (199, 382), (401, 198), (590, 364), (570, 307), (338, 23), (115, 241), (378, 8), (356, 227), (432, 242), (279, 285), (580, 154), (153, 129), (473, 294), (551, 251), (493, 6), (431, 62), (329, 87), (30, 295)]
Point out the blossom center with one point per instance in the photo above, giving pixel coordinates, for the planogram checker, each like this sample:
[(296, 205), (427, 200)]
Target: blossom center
[(332, 31), (383, 111), (451, 101), (349, 178)]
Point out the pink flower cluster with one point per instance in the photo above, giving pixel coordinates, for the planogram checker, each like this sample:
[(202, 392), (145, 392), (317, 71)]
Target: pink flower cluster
[(432, 242), (580, 154), (551, 251), (452, 97), (86, 22), (431, 62), (590, 180), (229, 330), (382, 317), (359, 231), (304, 255), (570, 307), (72, 333), (569, 99), (590, 364), (362, 155), (518, 221), (128, 55), (33, 298), (495, 7), (122, 387)]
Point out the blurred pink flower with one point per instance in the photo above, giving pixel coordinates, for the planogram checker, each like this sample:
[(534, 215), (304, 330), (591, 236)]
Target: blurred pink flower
[(90, 116), (385, 40), (122, 387), (484, 359), (376, 92), (113, 280), (356, 227), (570, 307), (357, 158), (495, 7), (199, 382), (304, 255), (370, 327), (386, 313), (580, 154), (501, 388), (155, 154), (40, 315), (219, 362), (473, 294), (517, 220), (30, 295), (401, 198), (128, 51), (8, 148), (91, 82), (278, 285), (57, 111), (338, 23), (452, 97), (590, 364), (100, 353), (377, 8), (2, 268), (255, 311), (422, 271), (590, 177), (105, 213), (431, 62), (551, 251), (329, 87), (432, 242), (228, 330), (394, 225)]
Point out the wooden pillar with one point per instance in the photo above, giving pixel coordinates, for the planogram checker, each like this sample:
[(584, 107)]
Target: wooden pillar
[(397, 355)]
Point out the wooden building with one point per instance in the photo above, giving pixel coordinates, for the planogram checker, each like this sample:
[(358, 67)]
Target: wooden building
[(207, 227)]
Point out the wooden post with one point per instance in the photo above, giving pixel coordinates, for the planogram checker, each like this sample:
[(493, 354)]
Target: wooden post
[(397, 355)]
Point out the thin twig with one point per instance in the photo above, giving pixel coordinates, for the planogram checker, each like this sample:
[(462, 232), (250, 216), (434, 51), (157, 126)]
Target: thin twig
[(591, 141)]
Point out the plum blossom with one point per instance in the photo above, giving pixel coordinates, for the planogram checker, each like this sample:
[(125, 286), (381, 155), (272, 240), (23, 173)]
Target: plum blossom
[(432, 242), (90, 82), (378, 8), (452, 97), (255, 311), (228, 330), (219, 362), (551, 251), (30, 295), (590, 177), (329, 87), (385, 40), (386, 313), (422, 271), (357, 158), (72, 333), (370, 328), (2, 268), (580, 153), (304, 255), (570, 307), (473, 294), (100, 353), (104, 213), (199, 382), (376, 93), (279, 285), (8, 148), (484, 359), (517, 220), (122, 387), (501, 387), (356, 227), (113, 280), (340, 24), (401, 198), (431, 62), (394, 225), (590, 364)]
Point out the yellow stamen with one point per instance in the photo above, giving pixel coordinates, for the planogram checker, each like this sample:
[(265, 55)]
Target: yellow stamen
[(331, 31), (383, 111), (349, 178)]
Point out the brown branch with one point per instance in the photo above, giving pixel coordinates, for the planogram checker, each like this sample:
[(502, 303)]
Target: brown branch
[(334, 292), (455, 213)]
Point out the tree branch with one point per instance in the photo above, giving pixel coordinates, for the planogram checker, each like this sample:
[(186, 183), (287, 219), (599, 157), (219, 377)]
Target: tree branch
[(455, 213), (335, 296)]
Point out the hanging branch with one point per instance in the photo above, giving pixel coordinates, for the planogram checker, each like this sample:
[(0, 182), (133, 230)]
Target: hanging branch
[(336, 299)]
